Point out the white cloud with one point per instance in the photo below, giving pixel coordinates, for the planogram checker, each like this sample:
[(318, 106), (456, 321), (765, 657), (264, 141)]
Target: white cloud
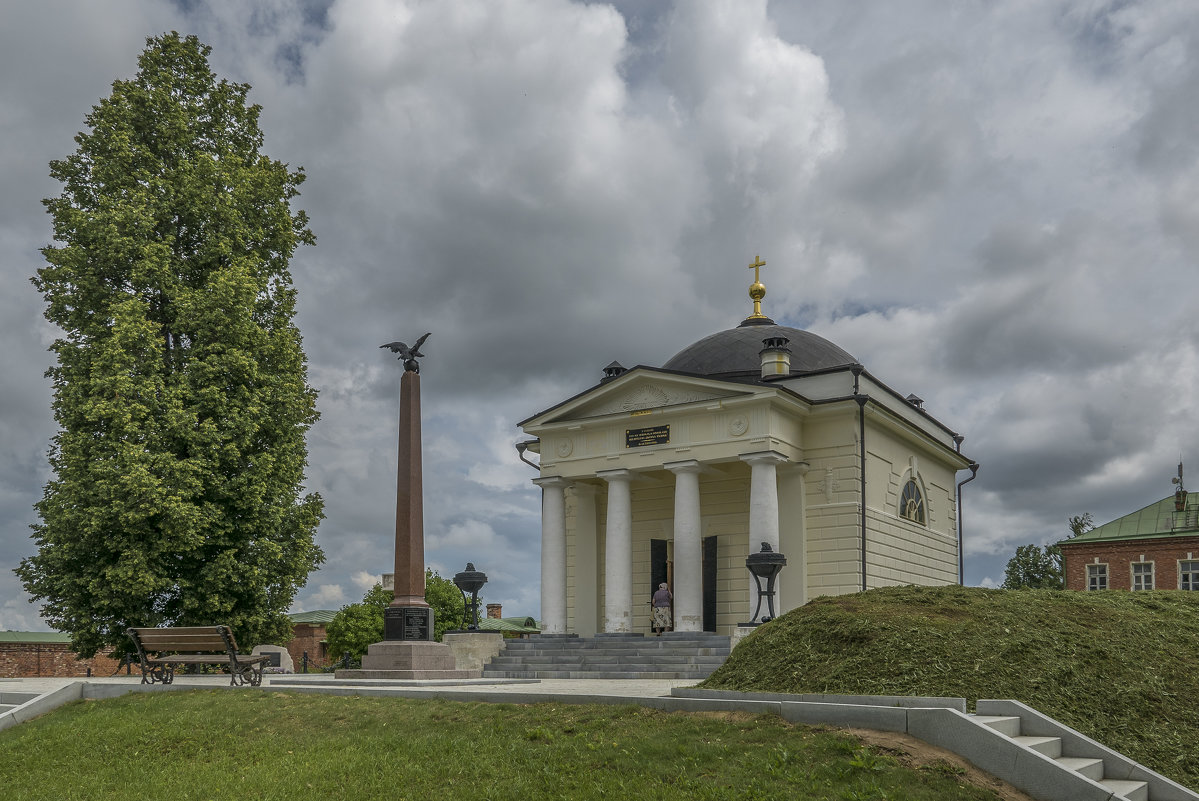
[(364, 580), (992, 208)]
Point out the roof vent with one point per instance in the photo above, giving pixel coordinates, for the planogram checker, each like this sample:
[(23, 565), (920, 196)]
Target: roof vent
[(776, 357), (613, 370), (915, 401)]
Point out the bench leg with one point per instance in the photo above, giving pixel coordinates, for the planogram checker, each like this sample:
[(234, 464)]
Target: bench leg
[(247, 674), (163, 674)]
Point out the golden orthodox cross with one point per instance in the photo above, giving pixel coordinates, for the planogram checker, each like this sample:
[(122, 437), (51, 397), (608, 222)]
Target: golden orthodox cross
[(757, 291), (756, 266)]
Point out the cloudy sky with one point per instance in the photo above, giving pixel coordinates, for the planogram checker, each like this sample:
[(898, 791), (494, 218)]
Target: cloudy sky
[(994, 205)]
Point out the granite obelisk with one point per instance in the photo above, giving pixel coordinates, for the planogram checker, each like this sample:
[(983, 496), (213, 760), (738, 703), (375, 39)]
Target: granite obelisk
[(408, 650)]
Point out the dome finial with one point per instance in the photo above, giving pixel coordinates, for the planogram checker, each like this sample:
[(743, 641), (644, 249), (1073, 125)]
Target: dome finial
[(757, 289)]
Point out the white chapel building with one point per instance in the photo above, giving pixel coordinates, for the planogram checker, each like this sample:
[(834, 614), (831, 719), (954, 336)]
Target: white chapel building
[(759, 434)]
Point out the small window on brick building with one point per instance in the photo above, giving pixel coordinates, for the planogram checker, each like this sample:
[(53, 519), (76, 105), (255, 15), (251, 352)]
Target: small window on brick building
[(1096, 577), (1188, 575), (1142, 575)]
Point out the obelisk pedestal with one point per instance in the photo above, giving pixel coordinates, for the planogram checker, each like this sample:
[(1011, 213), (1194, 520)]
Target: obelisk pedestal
[(408, 650)]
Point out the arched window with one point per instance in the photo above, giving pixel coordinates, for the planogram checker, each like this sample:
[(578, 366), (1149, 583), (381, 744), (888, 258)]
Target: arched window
[(911, 503)]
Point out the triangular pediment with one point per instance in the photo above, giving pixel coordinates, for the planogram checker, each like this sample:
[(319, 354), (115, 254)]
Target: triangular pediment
[(638, 390)]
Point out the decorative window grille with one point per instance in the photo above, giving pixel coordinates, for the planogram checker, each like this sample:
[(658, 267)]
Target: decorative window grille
[(911, 503), (1096, 577), (1142, 575)]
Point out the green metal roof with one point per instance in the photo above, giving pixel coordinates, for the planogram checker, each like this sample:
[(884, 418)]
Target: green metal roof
[(1156, 520), (316, 616), (34, 636), (523, 625)]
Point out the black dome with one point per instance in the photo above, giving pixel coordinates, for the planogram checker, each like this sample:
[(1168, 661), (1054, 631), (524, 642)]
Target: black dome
[(736, 352)]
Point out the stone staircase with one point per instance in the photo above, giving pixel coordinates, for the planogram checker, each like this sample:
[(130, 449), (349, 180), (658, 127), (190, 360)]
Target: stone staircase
[(674, 655), (1122, 777), (10, 701)]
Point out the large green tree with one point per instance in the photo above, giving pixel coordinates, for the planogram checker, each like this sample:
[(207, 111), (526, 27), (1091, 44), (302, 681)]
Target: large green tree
[(180, 387)]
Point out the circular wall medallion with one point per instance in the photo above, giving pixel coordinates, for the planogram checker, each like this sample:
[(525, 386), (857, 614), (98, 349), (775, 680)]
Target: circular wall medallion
[(738, 425), (565, 448)]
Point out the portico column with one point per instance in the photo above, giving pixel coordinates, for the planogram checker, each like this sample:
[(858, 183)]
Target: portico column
[(763, 505), (688, 557), (553, 553), (618, 552)]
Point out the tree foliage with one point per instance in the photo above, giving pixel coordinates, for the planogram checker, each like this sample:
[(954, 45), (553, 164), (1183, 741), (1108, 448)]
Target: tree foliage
[(356, 626), (446, 599), (1033, 568), (180, 387), (1037, 568)]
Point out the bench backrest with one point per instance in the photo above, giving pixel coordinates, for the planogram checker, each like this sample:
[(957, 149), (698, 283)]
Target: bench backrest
[(185, 639)]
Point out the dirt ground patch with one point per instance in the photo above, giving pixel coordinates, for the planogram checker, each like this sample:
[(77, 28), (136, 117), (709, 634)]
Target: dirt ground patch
[(920, 755)]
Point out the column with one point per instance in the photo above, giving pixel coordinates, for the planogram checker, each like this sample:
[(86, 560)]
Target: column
[(618, 553), (553, 553), (763, 508), (688, 556)]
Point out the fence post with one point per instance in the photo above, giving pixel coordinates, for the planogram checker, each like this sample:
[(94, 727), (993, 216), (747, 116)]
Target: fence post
[(304, 661)]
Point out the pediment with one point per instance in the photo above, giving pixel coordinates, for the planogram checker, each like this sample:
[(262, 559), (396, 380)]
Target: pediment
[(639, 392)]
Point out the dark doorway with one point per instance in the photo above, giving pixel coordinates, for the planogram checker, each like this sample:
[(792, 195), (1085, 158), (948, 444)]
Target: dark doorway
[(658, 572), (709, 583)]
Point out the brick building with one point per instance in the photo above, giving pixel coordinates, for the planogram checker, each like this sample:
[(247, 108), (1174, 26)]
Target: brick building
[(308, 636), (26, 654), (1155, 548)]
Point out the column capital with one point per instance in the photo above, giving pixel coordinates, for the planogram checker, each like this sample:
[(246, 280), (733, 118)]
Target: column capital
[(686, 466), (553, 482), (763, 457), (618, 474)]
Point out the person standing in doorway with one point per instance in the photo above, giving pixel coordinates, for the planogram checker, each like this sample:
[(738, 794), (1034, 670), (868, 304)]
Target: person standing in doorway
[(661, 603)]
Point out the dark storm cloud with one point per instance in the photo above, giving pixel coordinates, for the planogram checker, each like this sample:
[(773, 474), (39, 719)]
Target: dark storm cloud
[(991, 205)]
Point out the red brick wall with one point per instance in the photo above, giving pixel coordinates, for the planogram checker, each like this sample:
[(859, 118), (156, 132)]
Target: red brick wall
[(307, 637), (25, 660), (1164, 553)]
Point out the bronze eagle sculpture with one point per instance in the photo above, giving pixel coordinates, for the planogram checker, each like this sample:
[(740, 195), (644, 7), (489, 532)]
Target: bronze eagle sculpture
[(408, 355)]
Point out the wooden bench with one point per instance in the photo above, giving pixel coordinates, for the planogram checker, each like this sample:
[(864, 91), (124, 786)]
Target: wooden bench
[(193, 645)]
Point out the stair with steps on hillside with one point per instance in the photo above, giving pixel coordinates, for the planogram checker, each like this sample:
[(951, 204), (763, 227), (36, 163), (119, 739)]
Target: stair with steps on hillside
[(12, 700), (674, 655), (1089, 765)]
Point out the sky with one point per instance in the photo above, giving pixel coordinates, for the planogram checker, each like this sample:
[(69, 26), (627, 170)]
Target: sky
[(992, 205)]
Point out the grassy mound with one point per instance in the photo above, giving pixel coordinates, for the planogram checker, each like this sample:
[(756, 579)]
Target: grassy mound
[(1121, 667)]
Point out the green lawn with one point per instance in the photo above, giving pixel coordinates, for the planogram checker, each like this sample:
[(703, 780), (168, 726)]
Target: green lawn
[(1121, 667), (214, 744)]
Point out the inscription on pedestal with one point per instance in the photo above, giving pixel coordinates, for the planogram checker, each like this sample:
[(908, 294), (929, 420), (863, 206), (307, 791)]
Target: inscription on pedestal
[(408, 623)]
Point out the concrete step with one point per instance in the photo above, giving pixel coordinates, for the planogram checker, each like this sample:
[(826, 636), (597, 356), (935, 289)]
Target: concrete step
[(697, 670), (665, 647), (1087, 766), (1049, 746), (607, 659), (685, 656), (595, 674), (1132, 790), (1004, 724)]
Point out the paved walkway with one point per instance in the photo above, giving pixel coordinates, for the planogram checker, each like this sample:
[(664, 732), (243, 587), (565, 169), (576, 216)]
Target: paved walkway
[(312, 682)]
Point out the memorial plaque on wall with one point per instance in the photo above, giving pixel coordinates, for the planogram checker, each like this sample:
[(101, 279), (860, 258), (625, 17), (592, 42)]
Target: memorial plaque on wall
[(640, 437), (408, 623)]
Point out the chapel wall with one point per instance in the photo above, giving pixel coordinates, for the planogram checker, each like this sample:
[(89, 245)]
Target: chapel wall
[(888, 467), (724, 510), (833, 556), (901, 552)]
